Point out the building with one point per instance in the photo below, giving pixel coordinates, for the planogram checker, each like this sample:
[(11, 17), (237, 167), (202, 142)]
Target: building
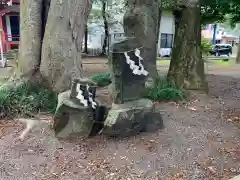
[(116, 32), (9, 25), (221, 36)]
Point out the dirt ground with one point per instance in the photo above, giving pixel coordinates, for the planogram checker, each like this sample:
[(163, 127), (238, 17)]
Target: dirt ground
[(200, 141)]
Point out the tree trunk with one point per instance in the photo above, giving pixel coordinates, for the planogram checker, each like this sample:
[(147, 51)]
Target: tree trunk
[(106, 33), (86, 40), (140, 20), (187, 66), (54, 47), (31, 37), (238, 53)]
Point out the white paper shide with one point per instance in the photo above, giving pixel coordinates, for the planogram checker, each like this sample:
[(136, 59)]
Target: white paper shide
[(83, 100), (136, 69)]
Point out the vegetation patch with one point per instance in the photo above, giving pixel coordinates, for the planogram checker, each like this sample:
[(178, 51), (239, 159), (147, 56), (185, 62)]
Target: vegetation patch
[(163, 61), (26, 100), (162, 90), (102, 79)]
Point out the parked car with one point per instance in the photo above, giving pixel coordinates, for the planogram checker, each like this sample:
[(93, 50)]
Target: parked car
[(221, 49)]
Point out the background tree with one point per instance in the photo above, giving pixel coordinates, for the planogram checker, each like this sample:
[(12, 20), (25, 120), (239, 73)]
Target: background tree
[(107, 17), (105, 22), (51, 52), (186, 66)]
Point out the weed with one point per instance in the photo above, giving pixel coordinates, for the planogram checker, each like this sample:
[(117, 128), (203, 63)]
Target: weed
[(26, 99)]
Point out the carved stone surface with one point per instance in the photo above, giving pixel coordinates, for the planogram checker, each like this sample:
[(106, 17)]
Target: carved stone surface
[(140, 21), (129, 118), (74, 119), (126, 84)]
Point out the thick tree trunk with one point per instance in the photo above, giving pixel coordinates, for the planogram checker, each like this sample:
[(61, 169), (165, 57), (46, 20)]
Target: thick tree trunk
[(238, 53), (51, 37), (106, 33), (31, 37), (187, 66), (61, 48), (86, 40), (140, 20)]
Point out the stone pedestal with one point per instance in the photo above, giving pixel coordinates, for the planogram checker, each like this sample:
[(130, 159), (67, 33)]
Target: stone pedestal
[(131, 118), (78, 113), (72, 119)]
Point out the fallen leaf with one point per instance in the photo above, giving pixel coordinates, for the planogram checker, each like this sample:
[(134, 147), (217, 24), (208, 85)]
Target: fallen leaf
[(212, 169), (192, 108)]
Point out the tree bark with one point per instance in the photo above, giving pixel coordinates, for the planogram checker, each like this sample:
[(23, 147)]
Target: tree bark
[(187, 66), (31, 37), (106, 33), (61, 49), (86, 40), (140, 20), (238, 53), (51, 39)]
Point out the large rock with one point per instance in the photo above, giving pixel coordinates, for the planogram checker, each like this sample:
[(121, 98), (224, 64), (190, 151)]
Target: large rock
[(130, 118), (78, 112), (72, 119)]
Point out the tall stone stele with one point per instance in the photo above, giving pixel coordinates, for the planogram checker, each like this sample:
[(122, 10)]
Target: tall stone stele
[(130, 113)]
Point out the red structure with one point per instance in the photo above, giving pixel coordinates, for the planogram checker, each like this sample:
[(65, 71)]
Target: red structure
[(9, 24)]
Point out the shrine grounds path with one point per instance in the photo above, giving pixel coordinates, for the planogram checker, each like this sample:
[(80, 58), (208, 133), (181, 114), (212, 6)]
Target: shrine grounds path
[(200, 141)]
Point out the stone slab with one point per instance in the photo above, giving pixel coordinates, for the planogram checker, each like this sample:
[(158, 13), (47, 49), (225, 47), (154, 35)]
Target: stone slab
[(130, 118)]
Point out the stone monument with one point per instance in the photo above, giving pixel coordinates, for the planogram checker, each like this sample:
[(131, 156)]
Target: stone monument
[(78, 112), (130, 112)]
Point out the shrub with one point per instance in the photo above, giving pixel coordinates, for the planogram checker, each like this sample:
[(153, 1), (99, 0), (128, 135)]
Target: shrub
[(25, 100), (163, 90), (102, 79), (206, 46)]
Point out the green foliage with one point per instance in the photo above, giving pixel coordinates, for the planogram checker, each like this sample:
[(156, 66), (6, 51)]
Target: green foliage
[(212, 11), (163, 90), (206, 46), (26, 100), (102, 79)]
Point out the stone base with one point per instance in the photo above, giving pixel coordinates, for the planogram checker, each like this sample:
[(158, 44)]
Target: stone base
[(131, 118), (72, 119)]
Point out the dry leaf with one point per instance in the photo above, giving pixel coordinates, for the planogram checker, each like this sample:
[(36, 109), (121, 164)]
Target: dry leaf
[(192, 108)]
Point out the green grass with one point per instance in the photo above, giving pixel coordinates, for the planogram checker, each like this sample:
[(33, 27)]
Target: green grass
[(163, 61), (25, 100), (102, 79), (162, 90)]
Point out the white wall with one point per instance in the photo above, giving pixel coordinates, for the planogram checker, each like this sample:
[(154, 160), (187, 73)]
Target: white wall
[(167, 26), (167, 23)]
